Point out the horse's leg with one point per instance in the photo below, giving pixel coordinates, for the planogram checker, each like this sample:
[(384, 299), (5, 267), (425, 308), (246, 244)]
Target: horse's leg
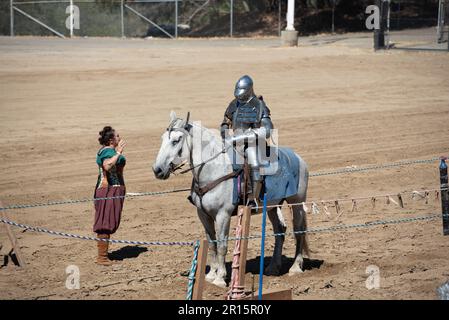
[(300, 219), (299, 224), (223, 220), (208, 224), (274, 268)]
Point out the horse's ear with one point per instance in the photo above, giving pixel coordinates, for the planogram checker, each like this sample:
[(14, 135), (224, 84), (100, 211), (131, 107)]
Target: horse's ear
[(173, 116), (187, 119)]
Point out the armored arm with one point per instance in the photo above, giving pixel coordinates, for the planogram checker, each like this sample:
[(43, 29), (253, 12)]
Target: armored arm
[(265, 123), (265, 128), (225, 125)]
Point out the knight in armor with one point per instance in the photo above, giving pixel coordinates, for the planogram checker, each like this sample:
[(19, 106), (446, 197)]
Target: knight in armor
[(249, 118)]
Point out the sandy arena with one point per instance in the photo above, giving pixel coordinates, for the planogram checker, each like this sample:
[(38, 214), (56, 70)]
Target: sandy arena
[(336, 103)]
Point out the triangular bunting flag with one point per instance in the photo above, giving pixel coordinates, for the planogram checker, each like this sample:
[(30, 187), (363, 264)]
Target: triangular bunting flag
[(339, 209), (401, 203), (306, 209), (390, 199), (417, 194), (315, 209), (354, 205), (326, 210)]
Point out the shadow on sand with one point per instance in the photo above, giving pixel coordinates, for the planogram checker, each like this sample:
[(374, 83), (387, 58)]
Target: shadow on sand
[(127, 252), (252, 266)]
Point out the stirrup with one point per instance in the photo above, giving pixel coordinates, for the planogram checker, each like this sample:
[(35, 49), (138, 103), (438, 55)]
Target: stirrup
[(250, 202)]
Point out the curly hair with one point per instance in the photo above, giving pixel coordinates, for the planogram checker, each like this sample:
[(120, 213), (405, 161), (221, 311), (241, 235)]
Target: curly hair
[(106, 135)]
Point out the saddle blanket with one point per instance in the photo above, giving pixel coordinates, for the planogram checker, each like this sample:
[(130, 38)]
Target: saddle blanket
[(281, 176)]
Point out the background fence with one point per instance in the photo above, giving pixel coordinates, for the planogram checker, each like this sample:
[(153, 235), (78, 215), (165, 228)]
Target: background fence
[(410, 25), (142, 18), (206, 18)]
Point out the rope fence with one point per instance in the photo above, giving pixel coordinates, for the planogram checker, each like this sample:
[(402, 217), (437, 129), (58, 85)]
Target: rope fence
[(75, 236), (196, 244), (192, 243), (73, 201), (374, 167), (421, 194), (155, 193), (342, 227)]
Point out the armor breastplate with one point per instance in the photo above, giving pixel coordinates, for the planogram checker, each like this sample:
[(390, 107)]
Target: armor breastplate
[(247, 115)]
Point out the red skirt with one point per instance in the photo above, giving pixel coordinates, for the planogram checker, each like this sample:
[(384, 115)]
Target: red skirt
[(108, 212)]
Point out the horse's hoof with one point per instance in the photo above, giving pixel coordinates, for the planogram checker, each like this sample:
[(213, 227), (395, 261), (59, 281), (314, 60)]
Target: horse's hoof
[(210, 277), (294, 270), (272, 271), (219, 283)]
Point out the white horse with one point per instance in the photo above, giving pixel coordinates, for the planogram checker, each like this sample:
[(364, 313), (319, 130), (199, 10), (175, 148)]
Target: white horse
[(184, 142)]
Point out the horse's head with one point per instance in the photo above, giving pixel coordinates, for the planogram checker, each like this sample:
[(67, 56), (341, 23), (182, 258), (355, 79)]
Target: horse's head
[(174, 150)]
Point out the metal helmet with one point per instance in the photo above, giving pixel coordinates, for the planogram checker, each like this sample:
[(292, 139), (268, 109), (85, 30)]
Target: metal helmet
[(244, 89)]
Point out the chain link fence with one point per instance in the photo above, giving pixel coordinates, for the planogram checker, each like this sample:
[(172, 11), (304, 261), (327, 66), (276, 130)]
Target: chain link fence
[(140, 18), (412, 25), (185, 18)]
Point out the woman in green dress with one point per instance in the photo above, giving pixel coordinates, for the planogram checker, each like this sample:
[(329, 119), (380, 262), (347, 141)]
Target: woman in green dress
[(110, 183)]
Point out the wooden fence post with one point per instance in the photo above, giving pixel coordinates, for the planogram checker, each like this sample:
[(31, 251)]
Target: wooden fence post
[(13, 239), (444, 195), (246, 221)]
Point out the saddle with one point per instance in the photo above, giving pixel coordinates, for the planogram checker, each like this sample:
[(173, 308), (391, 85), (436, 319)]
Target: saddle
[(280, 179), (242, 186)]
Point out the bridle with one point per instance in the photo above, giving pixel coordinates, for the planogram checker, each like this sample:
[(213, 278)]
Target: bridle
[(200, 191), (186, 132)]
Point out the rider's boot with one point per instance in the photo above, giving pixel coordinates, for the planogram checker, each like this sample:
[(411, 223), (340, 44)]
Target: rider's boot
[(256, 186)]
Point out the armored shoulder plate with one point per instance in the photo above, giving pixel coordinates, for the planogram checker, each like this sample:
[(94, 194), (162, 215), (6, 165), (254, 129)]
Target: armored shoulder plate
[(266, 113), (231, 109)]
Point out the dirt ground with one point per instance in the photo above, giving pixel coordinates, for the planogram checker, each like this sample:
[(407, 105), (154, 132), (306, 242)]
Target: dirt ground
[(336, 103)]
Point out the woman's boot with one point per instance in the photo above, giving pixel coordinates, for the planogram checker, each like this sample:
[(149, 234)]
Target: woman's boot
[(103, 246)]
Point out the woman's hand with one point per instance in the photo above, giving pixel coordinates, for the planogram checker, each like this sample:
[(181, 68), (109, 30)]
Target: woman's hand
[(109, 163), (121, 145)]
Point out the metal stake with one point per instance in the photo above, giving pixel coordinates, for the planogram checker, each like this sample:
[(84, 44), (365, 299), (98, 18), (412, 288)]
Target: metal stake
[(231, 27), (12, 16), (71, 18), (122, 13), (444, 195), (262, 245)]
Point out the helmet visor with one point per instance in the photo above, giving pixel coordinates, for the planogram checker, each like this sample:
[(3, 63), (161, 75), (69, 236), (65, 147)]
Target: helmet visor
[(240, 93)]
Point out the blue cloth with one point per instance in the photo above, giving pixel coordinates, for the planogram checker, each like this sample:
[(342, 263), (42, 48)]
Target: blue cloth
[(284, 183)]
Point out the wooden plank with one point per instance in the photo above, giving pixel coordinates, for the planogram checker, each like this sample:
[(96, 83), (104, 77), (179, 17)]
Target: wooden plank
[(246, 220), (13, 239), (200, 273), (272, 294)]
